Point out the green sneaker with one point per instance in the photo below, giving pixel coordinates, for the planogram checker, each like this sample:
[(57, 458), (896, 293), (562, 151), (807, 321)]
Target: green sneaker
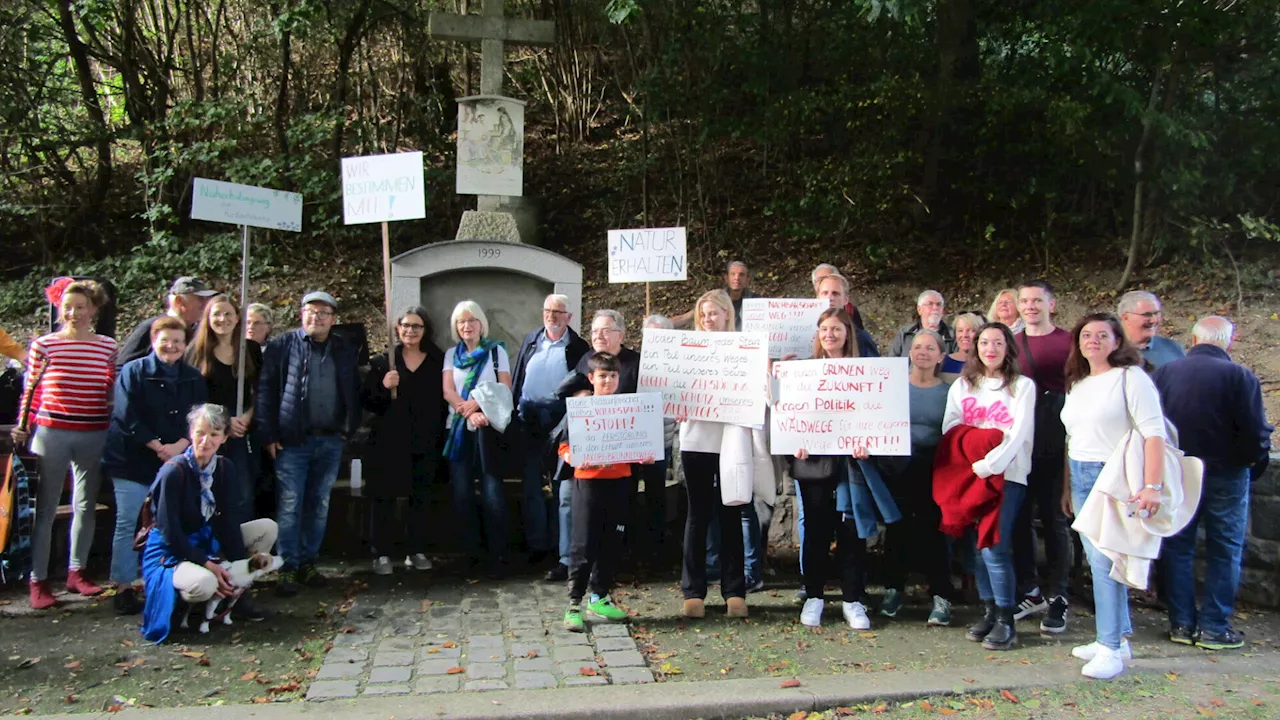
[(891, 605), (573, 619), (604, 607), (940, 616)]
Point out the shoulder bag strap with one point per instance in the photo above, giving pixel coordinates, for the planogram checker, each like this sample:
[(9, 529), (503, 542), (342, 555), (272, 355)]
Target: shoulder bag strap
[(1031, 360)]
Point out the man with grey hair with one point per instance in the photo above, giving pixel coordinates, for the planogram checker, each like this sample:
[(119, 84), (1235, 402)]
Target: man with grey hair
[(1216, 405), (547, 355), (1140, 314), (821, 271), (737, 281), (930, 308)]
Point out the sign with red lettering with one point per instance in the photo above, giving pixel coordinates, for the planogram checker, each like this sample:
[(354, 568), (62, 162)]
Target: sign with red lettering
[(713, 376), (832, 407), (613, 429), (791, 324)]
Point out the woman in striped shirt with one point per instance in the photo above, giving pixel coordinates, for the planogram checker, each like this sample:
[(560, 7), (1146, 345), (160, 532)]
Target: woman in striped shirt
[(69, 380)]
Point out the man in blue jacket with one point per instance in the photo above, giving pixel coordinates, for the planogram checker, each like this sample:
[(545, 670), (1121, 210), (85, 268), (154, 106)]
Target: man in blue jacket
[(307, 406), (1216, 405), (546, 356)]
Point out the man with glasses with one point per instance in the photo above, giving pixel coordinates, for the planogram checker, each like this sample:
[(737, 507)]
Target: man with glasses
[(308, 404), (547, 355), (187, 297), (930, 307), (1140, 314)]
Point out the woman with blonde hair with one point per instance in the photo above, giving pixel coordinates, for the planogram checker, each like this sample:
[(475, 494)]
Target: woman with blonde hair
[(966, 326), (1004, 310)]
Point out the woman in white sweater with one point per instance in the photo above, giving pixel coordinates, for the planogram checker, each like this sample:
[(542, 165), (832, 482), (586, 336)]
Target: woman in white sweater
[(1102, 371), (700, 443), (991, 393)]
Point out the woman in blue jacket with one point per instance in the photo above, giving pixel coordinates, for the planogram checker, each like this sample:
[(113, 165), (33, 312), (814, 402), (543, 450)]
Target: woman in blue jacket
[(148, 427)]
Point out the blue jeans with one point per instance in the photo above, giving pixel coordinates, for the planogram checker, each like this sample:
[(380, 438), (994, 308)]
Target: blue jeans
[(538, 421), (564, 514), (800, 524), (994, 571), (305, 475), (752, 543), (1110, 598), (124, 559), (462, 476), (1224, 513)]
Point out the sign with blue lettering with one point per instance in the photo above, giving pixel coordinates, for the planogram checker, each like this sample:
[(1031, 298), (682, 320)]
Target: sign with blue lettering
[(382, 188), (647, 255), (235, 204)]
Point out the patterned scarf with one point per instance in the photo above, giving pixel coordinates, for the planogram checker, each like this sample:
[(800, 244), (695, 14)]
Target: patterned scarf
[(473, 362), (207, 504)]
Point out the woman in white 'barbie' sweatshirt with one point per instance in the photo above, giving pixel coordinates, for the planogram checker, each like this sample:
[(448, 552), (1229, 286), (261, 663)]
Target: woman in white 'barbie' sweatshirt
[(991, 393)]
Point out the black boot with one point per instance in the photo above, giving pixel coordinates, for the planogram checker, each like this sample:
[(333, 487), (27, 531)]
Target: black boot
[(127, 602), (979, 630), (1004, 635)]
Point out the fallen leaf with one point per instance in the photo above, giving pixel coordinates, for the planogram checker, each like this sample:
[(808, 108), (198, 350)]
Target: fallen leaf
[(261, 700), (969, 680), (290, 686), (449, 644), (1009, 696), (588, 671), (531, 654), (433, 651), (203, 662), (790, 683), (73, 665), (798, 715), (70, 699), (881, 708), (1216, 702), (946, 711), (27, 663), (191, 654), (670, 669), (249, 675), (28, 711), (1172, 676), (126, 643), (455, 670), (867, 635), (926, 706)]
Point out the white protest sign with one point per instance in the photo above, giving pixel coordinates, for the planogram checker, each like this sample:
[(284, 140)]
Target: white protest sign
[(614, 429), (831, 407), (647, 255), (791, 324), (381, 188), (714, 376), (251, 205)]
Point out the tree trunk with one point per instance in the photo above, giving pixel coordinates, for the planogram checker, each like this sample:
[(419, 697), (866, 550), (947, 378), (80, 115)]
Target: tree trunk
[(1140, 182), (88, 93), (959, 65), (346, 51)]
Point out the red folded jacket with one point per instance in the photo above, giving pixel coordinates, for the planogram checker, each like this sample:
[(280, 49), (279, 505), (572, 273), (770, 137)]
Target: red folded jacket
[(964, 498)]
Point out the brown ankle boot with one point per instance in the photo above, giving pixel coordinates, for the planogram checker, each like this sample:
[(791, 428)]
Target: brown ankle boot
[(694, 608), (736, 607), (41, 596), (78, 583)]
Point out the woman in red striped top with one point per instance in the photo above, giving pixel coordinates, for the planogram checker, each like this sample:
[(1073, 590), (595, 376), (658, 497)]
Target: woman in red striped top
[(70, 374)]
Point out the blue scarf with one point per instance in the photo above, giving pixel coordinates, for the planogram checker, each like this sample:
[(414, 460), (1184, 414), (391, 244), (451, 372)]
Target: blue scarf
[(207, 503), (473, 362)]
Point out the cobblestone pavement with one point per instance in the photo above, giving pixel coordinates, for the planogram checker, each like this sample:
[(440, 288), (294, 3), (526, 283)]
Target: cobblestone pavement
[(457, 638)]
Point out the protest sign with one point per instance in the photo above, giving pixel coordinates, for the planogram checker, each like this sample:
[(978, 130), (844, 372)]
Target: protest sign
[(791, 324), (831, 407), (713, 376), (381, 188), (647, 255), (251, 205), (614, 429)]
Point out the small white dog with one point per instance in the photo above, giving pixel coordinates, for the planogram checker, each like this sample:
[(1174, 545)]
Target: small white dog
[(243, 574)]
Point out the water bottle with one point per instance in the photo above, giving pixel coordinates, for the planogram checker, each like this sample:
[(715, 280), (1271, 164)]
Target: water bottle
[(357, 481)]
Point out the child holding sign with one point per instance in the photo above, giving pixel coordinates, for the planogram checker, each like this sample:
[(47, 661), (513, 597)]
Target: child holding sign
[(600, 500)]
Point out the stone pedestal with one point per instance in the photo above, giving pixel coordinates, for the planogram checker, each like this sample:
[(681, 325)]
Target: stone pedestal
[(522, 213)]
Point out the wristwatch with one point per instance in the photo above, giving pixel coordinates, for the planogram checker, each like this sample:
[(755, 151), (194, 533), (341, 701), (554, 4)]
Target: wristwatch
[(1157, 487)]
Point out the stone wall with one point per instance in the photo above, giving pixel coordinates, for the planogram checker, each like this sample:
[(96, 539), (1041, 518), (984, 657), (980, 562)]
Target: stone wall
[(1260, 581)]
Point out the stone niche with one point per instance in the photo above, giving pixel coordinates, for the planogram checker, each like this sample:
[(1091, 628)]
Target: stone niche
[(508, 280)]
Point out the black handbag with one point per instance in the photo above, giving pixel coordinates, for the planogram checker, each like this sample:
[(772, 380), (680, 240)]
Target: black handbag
[(814, 467)]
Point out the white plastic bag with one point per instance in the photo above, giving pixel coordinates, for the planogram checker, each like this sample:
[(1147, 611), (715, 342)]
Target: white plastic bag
[(495, 402), (736, 471)]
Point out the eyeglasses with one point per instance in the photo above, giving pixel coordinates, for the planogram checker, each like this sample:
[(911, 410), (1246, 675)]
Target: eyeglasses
[(1148, 315), (554, 313), (469, 321), (412, 327), (310, 312), (603, 331)]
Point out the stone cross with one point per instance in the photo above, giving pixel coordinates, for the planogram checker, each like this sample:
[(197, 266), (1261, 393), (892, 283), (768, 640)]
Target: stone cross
[(492, 29)]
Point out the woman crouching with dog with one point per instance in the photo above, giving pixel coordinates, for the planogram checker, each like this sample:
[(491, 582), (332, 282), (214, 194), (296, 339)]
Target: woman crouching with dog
[(193, 503)]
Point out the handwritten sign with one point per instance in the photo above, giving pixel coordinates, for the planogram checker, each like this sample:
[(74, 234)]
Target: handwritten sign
[(790, 324), (614, 428), (250, 205), (831, 407), (647, 255), (713, 376), (380, 188)]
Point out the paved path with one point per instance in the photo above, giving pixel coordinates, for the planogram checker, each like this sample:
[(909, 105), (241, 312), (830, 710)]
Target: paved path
[(472, 637)]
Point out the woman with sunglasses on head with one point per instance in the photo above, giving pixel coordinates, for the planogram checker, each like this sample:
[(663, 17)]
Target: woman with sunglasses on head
[(404, 446)]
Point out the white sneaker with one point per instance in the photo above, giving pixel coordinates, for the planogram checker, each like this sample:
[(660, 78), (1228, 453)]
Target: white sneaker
[(1087, 652), (418, 561), (1105, 665), (382, 566), (855, 613), (811, 613)]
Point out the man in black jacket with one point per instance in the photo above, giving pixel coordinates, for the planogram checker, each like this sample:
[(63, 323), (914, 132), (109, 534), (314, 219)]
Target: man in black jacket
[(546, 356), (307, 405), (1216, 405)]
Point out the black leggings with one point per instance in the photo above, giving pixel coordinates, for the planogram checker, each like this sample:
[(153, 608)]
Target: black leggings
[(702, 483), (385, 529), (821, 519), (914, 542), (599, 524)]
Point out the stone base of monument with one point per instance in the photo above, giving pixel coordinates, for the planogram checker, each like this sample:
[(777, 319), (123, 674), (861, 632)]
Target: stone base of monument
[(523, 212)]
